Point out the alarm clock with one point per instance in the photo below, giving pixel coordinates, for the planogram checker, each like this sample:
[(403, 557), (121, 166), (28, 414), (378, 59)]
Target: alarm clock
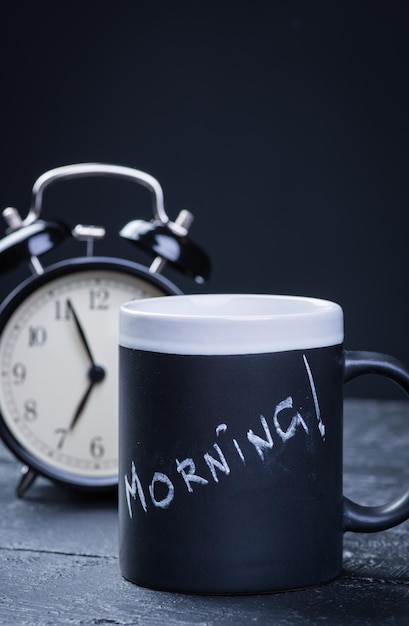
[(58, 332)]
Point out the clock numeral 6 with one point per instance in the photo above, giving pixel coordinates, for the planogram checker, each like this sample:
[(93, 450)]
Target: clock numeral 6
[(30, 410), (96, 448), (37, 336)]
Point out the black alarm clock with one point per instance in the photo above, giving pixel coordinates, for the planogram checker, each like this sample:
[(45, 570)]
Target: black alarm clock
[(58, 332)]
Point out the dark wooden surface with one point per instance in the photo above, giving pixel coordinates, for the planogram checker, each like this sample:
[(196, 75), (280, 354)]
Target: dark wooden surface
[(59, 561)]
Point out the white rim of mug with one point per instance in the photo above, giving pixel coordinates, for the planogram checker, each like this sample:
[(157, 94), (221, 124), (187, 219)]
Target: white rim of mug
[(196, 325)]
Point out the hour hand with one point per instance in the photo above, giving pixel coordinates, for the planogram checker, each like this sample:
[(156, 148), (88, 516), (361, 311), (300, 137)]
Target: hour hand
[(81, 405), (96, 375)]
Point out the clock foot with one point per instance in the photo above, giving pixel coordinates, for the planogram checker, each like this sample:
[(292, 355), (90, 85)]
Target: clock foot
[(28, 476)]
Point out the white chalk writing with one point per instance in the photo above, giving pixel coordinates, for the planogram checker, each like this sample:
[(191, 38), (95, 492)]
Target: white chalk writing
[(163, 503), (131, 489), (190, 476), (161, 488), (239, 452), (295, 421), (213, 463), (321, 426), (259, 443)]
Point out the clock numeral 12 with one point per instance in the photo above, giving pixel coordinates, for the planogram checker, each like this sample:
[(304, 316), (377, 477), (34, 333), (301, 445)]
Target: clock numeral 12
[(98, 299)]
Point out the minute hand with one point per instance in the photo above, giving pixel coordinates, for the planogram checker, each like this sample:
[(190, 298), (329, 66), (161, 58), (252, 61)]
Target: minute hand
[(81, 332)]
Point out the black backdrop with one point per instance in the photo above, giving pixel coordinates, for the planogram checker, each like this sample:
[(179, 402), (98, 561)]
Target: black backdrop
[(282, 125)]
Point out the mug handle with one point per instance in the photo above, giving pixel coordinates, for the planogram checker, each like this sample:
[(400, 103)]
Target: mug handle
[(367, 519)]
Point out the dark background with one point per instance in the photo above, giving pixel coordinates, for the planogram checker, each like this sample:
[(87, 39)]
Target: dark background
[(282, 125)]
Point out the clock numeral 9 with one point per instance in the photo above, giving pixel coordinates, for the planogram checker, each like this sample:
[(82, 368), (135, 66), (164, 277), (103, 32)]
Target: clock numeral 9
[(30, 410), (98, 299), (37, 336), (96, 448), (19, 373)]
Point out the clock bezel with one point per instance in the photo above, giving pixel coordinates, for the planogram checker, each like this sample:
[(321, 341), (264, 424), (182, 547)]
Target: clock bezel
[(68, 267)]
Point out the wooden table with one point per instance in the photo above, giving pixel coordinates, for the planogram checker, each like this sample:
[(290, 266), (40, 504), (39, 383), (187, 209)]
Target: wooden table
[(59, 561)]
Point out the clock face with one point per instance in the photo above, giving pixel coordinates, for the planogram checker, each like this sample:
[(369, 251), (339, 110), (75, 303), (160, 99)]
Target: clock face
[(59, 373)]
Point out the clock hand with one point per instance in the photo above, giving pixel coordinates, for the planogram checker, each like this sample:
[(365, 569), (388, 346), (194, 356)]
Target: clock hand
[(81, 405), (96, 374), (80, 331)]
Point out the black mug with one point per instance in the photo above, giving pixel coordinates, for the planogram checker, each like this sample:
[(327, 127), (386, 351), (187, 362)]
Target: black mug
[(230, 460)]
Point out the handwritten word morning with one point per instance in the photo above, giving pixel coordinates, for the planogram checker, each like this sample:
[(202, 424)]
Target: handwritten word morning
[(216, 461)]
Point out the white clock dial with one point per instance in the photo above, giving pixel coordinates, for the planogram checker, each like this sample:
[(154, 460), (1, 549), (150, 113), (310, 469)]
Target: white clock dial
[(59, 371)]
